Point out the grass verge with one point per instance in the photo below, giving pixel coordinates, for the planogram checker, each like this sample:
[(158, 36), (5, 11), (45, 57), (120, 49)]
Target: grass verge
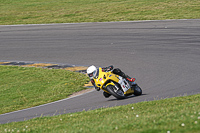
[(23, 87), (180, 114), (68, 11)]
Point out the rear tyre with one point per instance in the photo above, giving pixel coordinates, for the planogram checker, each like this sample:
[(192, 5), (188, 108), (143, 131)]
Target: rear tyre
[(118, 93), (137, 90)]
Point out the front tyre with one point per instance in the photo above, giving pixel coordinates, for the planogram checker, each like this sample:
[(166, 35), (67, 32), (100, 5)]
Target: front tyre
[(137, 90), (118, 93)]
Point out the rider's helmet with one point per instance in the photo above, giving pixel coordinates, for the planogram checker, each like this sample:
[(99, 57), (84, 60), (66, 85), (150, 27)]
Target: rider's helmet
[(92, 71)]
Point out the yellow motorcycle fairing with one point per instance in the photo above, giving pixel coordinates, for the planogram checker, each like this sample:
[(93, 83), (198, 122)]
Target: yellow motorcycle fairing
[(102, 80)]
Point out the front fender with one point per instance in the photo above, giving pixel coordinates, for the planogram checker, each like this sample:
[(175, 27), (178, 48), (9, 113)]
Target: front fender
[(108, 82), (111, 83)]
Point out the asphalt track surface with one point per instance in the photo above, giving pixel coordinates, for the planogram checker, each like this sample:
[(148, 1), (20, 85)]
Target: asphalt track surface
[(164, 56)]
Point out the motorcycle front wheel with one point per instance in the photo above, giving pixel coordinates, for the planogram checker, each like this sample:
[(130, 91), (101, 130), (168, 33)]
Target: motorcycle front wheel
[(118, 93)]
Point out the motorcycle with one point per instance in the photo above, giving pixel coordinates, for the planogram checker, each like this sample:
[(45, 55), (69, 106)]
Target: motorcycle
[(116, 85)]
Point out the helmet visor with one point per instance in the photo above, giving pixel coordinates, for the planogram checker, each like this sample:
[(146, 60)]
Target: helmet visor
[(93, 74), (90, 75)]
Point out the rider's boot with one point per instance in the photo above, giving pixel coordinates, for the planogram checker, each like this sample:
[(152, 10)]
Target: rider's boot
[(130, 79), (127, 77), (120, 73)]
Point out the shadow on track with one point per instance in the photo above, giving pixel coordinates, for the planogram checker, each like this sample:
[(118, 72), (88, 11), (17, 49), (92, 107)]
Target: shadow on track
[(128, 97)]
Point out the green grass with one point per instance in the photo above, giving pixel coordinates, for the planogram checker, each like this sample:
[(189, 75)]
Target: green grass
[(23, 87), (27, 87), (68, 11), (177, 115)]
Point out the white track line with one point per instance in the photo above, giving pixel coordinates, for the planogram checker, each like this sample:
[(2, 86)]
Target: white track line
[(98, 22), (47, 103)]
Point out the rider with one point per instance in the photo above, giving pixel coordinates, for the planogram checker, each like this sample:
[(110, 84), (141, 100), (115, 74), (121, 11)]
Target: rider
[(92, 72)]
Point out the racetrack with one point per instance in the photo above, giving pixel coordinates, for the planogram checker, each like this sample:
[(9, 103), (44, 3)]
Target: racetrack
[(164, 56)]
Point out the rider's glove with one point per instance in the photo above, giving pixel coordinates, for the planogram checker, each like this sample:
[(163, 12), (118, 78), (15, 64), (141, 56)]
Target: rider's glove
[(110, 68), (97, 88)]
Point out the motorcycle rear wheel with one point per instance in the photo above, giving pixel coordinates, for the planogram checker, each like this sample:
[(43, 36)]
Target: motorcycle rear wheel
[(119, 94), (137, 90)]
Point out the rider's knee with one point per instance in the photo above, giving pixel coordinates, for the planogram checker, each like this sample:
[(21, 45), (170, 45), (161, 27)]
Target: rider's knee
[(117, 71)]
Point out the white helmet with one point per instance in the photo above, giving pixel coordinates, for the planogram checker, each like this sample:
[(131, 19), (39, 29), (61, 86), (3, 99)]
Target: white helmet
[(92, 71)]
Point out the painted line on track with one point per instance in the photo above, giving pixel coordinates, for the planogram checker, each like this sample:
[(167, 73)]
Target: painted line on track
[(47, 103), (139, 21), (74, 68), (80, 69), (48, 65)]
